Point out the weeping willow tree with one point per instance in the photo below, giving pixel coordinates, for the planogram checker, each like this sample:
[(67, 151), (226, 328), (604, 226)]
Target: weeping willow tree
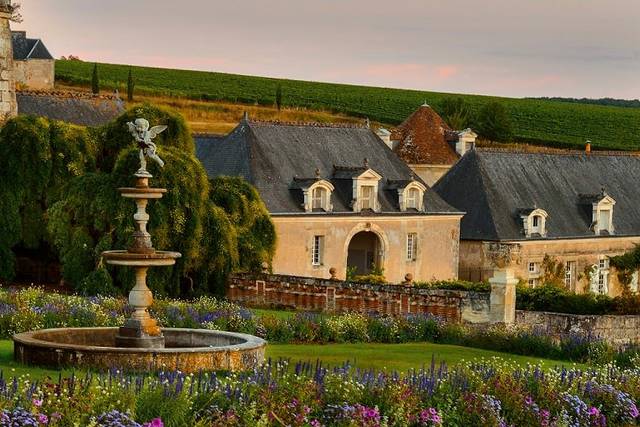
[(67, 199), (37, 158)]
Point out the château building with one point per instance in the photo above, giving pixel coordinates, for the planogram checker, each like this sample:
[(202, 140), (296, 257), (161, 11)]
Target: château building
[(339, 198)]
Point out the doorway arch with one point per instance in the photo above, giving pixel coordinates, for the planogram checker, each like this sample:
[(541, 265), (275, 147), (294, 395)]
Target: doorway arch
[(365, 253)]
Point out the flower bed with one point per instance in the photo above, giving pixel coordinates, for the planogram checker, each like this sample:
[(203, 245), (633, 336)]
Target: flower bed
[(32, 308), (484, 393)]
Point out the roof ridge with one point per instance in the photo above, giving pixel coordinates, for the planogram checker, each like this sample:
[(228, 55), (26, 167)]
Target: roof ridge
[(558, 151), (66, 94), (308, 124)]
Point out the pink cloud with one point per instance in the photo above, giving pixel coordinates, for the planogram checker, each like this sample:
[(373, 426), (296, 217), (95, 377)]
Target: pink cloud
[(447, 71)]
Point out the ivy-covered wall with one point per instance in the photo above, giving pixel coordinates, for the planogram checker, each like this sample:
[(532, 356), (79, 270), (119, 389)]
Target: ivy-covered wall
[(59, 195)]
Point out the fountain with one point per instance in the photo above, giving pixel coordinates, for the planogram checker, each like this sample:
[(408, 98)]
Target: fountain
[(140, 344)]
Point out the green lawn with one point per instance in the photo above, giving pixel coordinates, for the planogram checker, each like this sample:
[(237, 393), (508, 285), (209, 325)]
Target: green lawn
[(280, 314), (401, 357)]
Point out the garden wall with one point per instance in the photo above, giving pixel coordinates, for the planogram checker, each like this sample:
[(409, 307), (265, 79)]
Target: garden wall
[(616, 330), (305, 293)]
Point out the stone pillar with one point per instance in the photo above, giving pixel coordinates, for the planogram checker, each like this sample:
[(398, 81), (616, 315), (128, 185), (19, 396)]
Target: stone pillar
[(503, 296), (8, 104)]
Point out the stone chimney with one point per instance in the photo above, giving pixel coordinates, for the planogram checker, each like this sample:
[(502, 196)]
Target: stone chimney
[(8, 104), (466, 141), (587, 147), (385, 136)]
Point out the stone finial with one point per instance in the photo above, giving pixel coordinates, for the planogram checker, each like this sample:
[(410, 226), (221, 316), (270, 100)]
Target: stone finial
[(408, 279), (367, 123), (333, 272), (245, 116), (366, 163), (318, 173), (265, 267)]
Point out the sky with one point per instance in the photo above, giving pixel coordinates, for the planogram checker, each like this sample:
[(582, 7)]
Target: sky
[(570, 48)]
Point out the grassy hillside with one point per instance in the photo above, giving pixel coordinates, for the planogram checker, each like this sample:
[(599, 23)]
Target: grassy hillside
[(538, 121)]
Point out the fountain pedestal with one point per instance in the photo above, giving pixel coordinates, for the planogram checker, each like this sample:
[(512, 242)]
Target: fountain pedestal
[(141, 330)]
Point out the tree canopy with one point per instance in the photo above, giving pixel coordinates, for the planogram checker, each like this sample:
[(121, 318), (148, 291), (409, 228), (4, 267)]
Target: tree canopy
[(61, 193), (494, 122)]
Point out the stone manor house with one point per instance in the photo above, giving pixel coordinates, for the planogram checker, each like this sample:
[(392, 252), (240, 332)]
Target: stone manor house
[(577, 208), (339, 198)]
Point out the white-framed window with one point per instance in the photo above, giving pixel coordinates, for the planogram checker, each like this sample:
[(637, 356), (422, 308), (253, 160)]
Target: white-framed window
[(412, 246), (534, 268), (569, 268), (317, 250), (413, 196), (604, 219), (319, 198), (367, 194), (533, 282), (603, 276)]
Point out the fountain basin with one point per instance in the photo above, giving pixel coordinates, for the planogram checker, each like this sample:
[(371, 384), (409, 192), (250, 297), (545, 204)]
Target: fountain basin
[(132, 259), (187, 350)]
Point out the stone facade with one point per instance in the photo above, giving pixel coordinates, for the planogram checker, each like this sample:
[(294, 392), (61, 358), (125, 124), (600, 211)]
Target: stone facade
[(436, 257), (581, 254), (37, 74), (306, 293), (617, 330), (8, 105)]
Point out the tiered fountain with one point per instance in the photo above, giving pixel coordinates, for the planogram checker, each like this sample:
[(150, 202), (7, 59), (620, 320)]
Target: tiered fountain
[(140, 344)]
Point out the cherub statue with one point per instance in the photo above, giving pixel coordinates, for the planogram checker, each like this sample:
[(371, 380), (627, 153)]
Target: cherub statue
[(143, 136)]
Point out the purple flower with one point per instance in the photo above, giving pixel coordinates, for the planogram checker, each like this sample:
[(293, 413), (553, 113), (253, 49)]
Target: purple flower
[(156, 422), (37, 402), (594, 412), (43, 419)]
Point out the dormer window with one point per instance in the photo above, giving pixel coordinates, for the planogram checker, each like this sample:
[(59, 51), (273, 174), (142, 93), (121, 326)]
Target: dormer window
[(316, 193), (411, 196), (603, 215), (365, 190), (534, 222)]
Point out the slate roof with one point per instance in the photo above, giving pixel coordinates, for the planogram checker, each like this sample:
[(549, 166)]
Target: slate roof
[(495, 186), (276, 157), (424, 138), (25, 48), (78, 108)]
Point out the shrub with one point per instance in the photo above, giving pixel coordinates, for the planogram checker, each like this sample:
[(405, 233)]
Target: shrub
[(556, 299), (494, 123)]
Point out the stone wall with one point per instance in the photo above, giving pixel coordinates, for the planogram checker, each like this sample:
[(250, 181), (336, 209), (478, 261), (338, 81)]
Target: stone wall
[(313, 294), (617, 330), (35, 73), (8, 105)]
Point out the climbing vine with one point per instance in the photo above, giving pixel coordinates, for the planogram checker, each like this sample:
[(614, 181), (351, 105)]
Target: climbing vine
[(626, 265)]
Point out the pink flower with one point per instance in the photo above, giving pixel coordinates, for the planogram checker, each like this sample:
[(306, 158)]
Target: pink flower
[(156, 422), (37, 402), (315, 423), (56, 416), (43, 419)]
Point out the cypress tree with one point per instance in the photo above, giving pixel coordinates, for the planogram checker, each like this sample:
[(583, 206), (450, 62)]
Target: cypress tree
[(95, 80), (279, 97), (130, 86)]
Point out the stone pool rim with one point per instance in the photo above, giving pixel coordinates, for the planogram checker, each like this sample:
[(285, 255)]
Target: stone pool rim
[(251, 342), (189, 351)]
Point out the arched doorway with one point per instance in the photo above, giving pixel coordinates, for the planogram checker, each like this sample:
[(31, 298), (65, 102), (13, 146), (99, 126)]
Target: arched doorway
[(365, 253)]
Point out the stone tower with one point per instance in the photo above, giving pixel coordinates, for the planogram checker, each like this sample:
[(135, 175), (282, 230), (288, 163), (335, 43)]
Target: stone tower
[(8, 105)]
